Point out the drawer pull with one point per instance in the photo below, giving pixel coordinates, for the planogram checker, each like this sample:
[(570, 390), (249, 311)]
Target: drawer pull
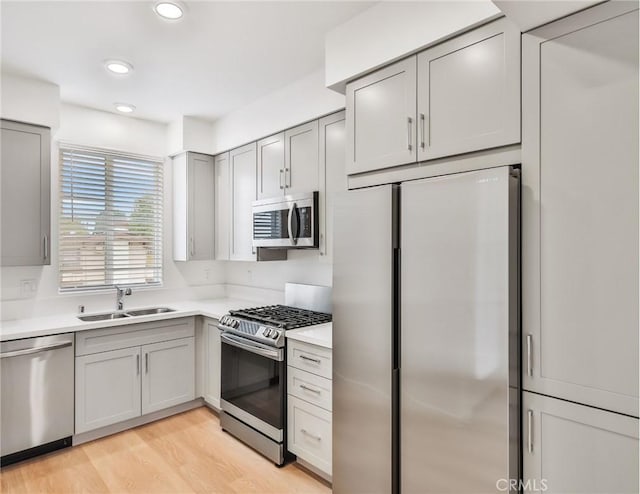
[(313, 436), (317, 391), (304, 357)]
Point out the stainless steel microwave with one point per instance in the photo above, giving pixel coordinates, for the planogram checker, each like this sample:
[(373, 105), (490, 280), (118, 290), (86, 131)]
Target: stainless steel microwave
[(289, 222)]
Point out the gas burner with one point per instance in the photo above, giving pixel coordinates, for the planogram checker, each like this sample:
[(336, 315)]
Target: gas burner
[(282, 316)]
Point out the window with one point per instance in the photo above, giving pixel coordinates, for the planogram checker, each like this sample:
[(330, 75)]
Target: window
[(110, 219)]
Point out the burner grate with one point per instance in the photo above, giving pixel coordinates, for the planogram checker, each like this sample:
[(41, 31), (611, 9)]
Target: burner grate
[(282, 316)]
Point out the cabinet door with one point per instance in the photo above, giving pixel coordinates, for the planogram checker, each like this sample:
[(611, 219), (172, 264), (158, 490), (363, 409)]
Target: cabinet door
[(301, 159), (333, 176), (570, 448), (243, 193), (580, 208), (381, 118), (223, 207), (271, 178), (212, 363), (26, 183), (168, 376), (309, 433), (107, 388), (201, 206), (469, 92)]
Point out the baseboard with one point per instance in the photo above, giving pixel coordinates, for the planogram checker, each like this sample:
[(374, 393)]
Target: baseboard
[(326, 478), (130, 424)]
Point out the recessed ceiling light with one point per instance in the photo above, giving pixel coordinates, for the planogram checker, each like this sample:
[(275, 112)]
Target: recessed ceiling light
[(124, 107), (169, 10), (119, 67)]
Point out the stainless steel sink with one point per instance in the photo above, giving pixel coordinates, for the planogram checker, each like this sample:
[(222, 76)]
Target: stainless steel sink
[(107, 316), (103, 317), (146, 312)]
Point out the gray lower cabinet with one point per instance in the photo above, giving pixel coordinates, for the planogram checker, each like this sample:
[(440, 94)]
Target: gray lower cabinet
[(469, 92), (107, 388), (212, 363), (25, 195), (580, 208), (242, 169), (381, 118), (309, 404), (193, 207), (571, 448), (333, 177), (127, 371)]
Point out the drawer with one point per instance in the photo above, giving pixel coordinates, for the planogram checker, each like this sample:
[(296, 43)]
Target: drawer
[(309, 387), (130, 335), (310, 358), (309, 433)]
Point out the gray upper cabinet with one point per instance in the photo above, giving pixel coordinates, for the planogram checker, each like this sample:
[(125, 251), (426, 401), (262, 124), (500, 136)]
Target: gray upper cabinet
[(271, 172), (469, 92), (570, 448), (333, 178), (193, 207), (222, 209), (301, 159), (580, 208), (381, 118), (242, 169), (26, 184)]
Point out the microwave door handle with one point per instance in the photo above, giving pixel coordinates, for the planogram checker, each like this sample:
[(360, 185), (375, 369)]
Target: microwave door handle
[(292, 237)]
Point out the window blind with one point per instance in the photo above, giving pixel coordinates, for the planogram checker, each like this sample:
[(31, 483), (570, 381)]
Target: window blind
[(110, 229)]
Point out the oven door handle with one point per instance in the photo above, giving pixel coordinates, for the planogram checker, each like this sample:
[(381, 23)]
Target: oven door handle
[(239, 342)]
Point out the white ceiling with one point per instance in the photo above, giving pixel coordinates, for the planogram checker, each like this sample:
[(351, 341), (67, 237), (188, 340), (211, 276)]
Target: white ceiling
[(219, 57)]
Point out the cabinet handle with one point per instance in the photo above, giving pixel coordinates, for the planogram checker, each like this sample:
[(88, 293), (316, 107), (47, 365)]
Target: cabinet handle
[(409, 120), (422, 133), (146, 363), (530, 430), (45, 242), (317, 391), (281, 173), (287, 183), (314, 436), (138, 364), (529, 366), (304, 357)]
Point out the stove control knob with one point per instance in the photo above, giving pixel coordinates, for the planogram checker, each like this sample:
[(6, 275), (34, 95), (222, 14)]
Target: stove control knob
[(266, 332), (235, 323), (275, 335), (223, 320)]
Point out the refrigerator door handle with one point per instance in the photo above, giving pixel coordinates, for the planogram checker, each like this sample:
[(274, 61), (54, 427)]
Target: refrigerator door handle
[(529, 366), (530, 430)]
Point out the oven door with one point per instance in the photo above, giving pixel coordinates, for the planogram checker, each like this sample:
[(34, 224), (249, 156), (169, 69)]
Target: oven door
[(253, 384), (286, 222)]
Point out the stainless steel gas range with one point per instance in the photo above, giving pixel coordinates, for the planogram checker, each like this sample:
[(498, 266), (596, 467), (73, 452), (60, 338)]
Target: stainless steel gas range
[(253, 366)]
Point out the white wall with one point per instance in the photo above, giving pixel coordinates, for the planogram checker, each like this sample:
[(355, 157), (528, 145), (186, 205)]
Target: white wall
[(30, 100), (389, 31), (304, 99), (181, 280), (189, 134)]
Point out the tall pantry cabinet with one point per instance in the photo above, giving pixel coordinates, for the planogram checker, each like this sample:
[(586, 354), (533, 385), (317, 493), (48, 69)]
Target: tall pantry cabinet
[(580, 250)]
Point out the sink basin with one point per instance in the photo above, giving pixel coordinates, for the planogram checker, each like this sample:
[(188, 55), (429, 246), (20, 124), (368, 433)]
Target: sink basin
[(103, 317), (146, 312)]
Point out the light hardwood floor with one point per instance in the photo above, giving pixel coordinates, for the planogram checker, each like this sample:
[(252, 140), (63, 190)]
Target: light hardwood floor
[(186, 453)]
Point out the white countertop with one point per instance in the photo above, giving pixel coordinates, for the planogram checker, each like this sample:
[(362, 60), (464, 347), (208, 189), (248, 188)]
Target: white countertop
[(320, 335), (66, 323)]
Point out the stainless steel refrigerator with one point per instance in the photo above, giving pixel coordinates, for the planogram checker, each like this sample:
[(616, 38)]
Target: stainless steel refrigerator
[(426, 379)]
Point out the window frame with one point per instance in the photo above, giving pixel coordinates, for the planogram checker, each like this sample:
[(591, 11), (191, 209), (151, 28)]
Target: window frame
[(109, 156)]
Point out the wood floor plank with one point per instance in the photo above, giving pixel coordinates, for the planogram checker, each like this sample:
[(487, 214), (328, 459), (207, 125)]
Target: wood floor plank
[(186, 453)]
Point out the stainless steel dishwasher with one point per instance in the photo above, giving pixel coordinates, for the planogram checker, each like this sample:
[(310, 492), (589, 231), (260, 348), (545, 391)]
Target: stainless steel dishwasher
[(36, 406)]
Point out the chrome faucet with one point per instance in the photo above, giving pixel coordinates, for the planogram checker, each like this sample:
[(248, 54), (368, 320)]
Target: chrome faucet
[(120, 293)]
